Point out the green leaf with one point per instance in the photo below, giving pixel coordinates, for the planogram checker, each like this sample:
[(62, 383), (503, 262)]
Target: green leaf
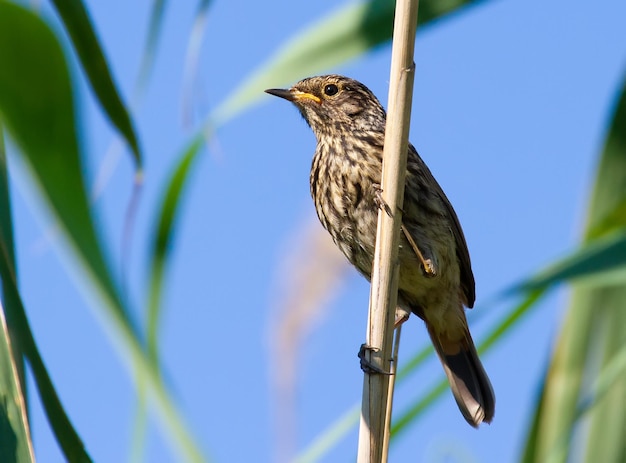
[(67, 437), (22, 341), (78, 24), (330, 437), (158, 262), (345, 34), (592, 335), (601, 261), (149, 50), (7, 242), (608, 380), (37, 107), (192, 56), (6, 222), (15, 440), (163, 242)]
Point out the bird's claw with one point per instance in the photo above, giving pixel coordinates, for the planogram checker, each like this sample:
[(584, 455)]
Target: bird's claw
[(429, 268), (367, 366), (402, 315), (427, 264), (380, 202)]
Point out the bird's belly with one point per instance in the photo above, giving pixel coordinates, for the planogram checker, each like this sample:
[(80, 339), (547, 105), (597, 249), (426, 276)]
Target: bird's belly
[(356, 237)]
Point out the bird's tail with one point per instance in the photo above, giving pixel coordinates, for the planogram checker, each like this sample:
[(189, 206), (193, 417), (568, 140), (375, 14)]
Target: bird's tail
[(469, 383)]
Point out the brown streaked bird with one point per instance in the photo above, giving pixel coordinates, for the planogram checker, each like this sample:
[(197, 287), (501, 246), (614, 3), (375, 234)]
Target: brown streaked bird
[(436, 280)]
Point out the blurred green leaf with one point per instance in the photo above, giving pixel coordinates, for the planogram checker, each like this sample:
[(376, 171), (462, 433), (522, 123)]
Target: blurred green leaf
[(15, 440), (7, 242), (605, 400), (6, 222), (592, 335), (36, 106), (158, 260), (601, 261), (344, 34), (66, 435), (607, 380), (163, 241), (161, 248), (330, 437), (614, 220), (81, 31), (149, 50), (192, 56)]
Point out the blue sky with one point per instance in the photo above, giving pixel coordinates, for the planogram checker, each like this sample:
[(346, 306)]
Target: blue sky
[(510, 107)]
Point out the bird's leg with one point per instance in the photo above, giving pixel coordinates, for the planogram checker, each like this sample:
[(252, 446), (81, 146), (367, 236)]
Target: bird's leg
[(402, 315), (380, 202), (427, 264), (367, 366)]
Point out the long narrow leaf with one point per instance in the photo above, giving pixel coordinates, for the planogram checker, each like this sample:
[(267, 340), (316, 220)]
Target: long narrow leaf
[(159, 258), (602, 260), (15, 440), (8, 243), (192, 56), (606, 419), (37, 107), (79, 26), (6, 222), (149, 49), (163, 242), (608, 379), (66, 435), (344, 34)]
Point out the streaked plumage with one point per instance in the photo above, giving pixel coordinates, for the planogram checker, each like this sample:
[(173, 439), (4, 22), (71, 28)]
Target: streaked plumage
[(349, 124)]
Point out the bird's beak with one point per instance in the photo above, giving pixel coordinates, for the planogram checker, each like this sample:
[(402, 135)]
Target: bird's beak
[(292, 95)]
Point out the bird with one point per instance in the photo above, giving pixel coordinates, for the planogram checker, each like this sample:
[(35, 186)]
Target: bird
[(436, 281)]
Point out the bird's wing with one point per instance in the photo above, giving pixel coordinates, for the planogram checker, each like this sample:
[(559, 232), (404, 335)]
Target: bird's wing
[(468, 284)]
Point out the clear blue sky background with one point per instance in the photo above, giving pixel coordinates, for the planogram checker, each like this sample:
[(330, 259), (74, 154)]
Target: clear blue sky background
[(510, 106)]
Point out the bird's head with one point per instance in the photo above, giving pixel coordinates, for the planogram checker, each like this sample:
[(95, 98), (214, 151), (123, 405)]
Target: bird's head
[(335, 104)]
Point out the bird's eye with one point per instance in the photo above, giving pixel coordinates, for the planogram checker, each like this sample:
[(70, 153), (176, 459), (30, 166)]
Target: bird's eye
[(331, 89)]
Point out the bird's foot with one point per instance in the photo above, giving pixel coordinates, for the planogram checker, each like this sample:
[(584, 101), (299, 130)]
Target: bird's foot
[(380, 202), (366, 365)]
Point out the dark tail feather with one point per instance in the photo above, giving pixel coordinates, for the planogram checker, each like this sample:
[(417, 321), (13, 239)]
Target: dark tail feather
[(469, 383)]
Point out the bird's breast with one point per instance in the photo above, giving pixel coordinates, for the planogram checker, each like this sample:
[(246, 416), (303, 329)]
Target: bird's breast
[(343, 187)]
